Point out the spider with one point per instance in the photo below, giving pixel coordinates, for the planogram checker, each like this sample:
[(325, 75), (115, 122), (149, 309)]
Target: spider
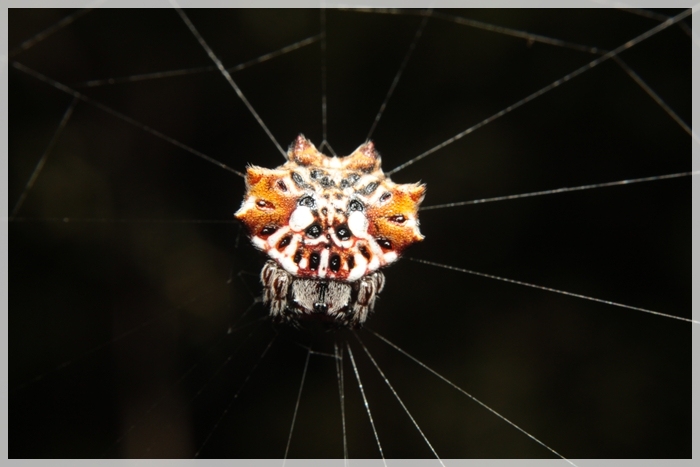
[(327, 225)]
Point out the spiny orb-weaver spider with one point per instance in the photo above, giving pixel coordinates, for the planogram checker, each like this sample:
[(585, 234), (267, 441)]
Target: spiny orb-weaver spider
[(327, 225)]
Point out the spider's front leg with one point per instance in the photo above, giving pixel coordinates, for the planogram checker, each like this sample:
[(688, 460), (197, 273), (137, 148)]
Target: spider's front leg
[(276, 283)]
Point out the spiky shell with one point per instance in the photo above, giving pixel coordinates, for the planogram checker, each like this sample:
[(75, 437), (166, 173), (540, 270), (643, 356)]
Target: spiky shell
[(328, 217)]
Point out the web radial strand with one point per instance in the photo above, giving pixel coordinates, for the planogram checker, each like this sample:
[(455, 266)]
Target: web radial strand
[(324, 144), (549, 87), (386, 380), (560, 190), (395, 82), (227, 75), (228, 360), (141, 326), (324, 91), (296, 406), (659, 17), (106, 220), (530, 37), (257, 363), (201, 69), (632, 74), (391, 344), (177, 383), (364, 398), (341, 394), (48, 31), (42, 161), (121, 116), (516, 33), (235, 396), (549, 289)]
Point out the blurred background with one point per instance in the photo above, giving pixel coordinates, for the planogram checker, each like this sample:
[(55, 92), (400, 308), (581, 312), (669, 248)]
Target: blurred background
[(129, 279)]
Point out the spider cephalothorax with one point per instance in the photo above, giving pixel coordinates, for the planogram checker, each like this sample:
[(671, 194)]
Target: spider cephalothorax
[(327, 224)]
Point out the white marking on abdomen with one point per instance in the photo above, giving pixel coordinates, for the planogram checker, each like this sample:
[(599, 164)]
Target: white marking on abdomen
[(273, 239), (360, 268), (301, 218), (358, 224), (323, 264)]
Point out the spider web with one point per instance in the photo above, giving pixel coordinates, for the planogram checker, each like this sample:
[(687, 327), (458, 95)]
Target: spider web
[(135, 330)]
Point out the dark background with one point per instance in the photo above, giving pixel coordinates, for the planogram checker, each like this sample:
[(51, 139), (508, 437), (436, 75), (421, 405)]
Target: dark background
[(119, 342)]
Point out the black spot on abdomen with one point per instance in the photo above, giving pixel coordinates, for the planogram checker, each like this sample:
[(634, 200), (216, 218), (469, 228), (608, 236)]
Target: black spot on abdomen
[(384, 243), (314, 261), (343, 232), (314, 230), (335, 263), (365, 252), (268, 230), (284, 242)]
